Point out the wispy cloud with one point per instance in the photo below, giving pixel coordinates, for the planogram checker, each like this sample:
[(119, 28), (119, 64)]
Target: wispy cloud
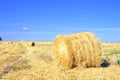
[(25, 28)]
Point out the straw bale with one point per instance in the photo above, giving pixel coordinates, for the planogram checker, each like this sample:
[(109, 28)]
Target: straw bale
[(81, 49)]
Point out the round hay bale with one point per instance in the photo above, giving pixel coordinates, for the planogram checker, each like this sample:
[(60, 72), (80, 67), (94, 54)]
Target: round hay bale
[(81, 49), (33, 44)]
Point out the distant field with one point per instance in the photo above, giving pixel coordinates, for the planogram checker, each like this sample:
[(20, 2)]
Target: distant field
[(20, 61)]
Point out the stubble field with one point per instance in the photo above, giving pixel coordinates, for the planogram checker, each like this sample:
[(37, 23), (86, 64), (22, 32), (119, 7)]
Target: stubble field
[(21, 61)]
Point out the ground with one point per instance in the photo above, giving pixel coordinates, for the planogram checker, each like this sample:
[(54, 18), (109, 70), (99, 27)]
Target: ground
[(21, 61)]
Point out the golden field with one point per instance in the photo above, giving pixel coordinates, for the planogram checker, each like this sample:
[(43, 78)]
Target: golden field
[(21, 61)]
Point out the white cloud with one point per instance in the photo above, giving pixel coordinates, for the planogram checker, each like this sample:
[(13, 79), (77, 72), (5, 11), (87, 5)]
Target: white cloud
[(25, 28)]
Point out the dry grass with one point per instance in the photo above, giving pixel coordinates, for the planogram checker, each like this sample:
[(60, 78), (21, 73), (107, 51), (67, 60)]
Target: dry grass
[(111, 52), (21, 62)]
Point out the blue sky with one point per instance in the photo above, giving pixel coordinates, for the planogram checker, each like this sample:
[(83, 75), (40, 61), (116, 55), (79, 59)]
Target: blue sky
[(38, 20)]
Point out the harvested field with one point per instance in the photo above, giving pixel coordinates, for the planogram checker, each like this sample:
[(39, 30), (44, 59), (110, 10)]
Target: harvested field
[(20, 61)]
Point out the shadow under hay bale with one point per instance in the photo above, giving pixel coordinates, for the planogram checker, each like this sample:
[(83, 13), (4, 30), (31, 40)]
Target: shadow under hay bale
[(82, 49)]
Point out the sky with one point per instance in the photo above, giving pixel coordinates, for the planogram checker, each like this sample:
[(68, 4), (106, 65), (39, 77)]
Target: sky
[(43, 20)]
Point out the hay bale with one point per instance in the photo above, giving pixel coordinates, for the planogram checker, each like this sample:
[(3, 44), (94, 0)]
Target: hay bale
[(33, 44), (82, 49)]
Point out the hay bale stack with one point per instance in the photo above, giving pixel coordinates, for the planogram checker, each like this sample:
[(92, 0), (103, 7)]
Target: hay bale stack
[(82, 49)]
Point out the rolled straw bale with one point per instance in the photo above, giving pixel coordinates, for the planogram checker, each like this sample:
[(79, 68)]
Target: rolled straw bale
[(81, 49), (33, 44)]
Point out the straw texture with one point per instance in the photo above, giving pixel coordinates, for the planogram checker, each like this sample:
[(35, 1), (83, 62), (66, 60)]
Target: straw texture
[(81, 49)]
